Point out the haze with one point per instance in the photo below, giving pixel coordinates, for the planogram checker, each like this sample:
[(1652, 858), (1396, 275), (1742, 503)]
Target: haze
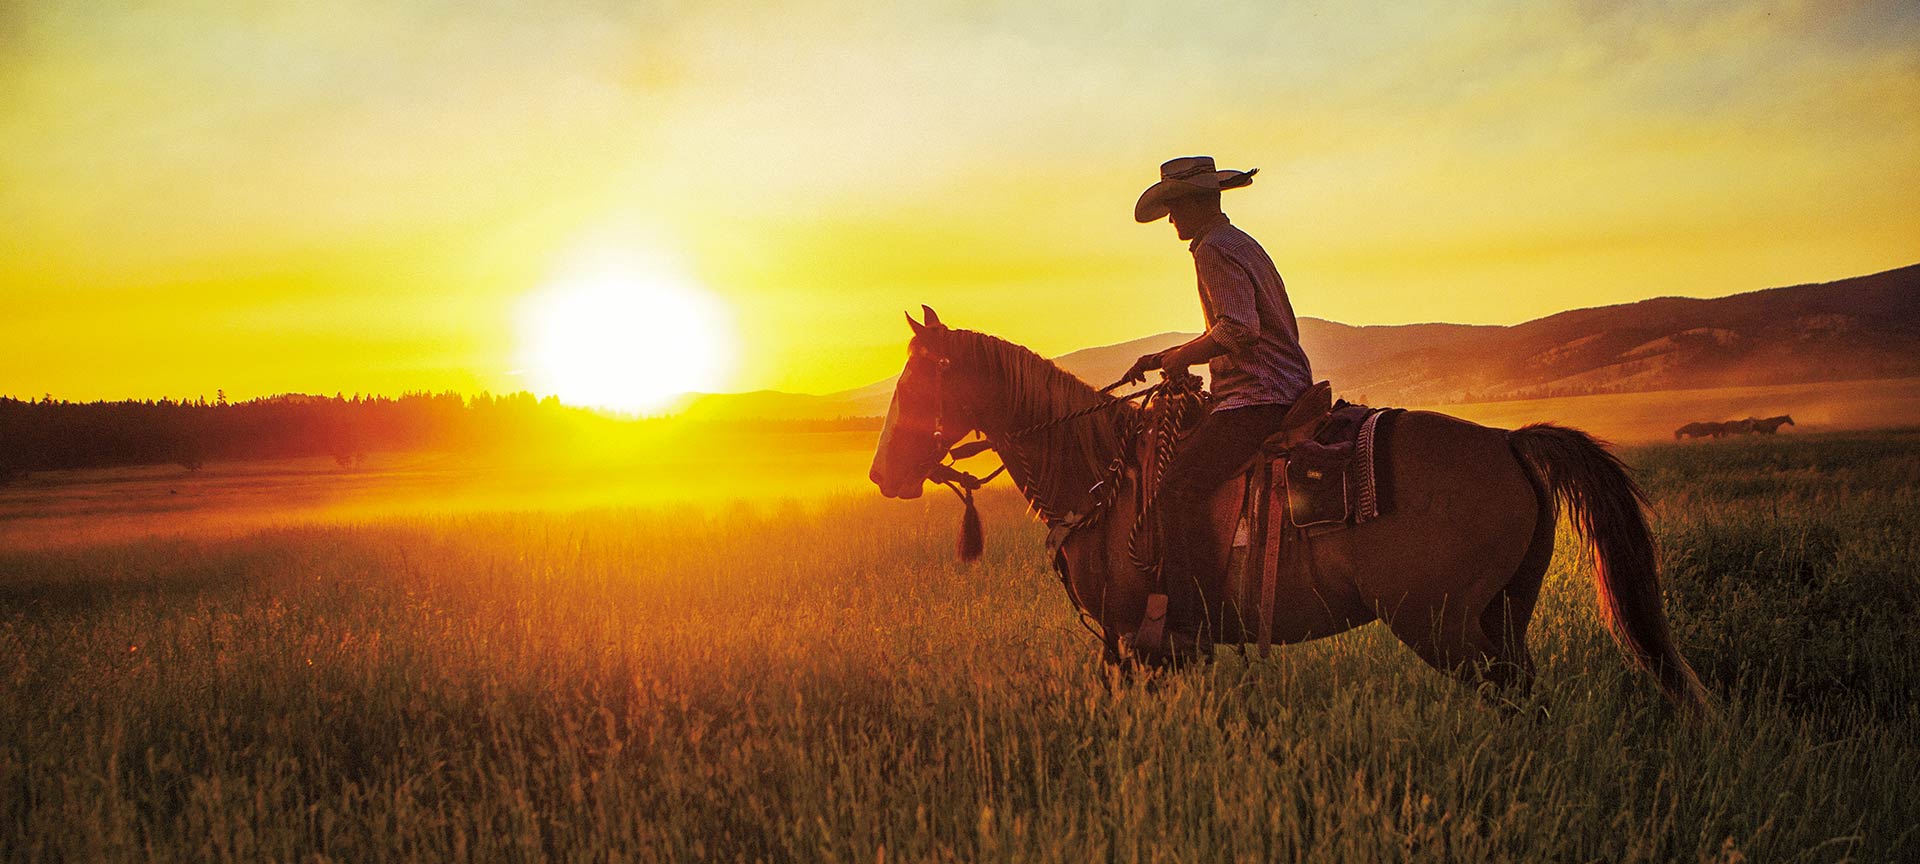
[(359, 196)]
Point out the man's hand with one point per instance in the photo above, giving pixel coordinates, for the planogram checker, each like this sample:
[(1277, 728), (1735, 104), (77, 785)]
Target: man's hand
[(1178, 359), (1138, 372)]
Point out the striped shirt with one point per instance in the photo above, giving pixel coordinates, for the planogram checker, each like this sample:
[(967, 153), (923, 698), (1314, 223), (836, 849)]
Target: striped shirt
[(1249, 315)]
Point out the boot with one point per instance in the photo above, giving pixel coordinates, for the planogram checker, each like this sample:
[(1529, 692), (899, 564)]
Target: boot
[(1171, 635), (1189, 636)]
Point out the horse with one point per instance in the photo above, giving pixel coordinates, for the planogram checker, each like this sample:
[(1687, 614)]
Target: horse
[(1453, 570), (1770, 425), (1700, 430)]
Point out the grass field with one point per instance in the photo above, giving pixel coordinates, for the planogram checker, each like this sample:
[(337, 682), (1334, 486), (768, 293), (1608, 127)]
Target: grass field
[(819, 680)]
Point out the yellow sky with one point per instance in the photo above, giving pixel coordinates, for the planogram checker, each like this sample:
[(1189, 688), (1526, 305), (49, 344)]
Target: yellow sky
[(357, 196)]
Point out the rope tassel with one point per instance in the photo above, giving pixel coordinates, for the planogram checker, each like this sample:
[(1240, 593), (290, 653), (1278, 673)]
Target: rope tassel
[(972, 537)]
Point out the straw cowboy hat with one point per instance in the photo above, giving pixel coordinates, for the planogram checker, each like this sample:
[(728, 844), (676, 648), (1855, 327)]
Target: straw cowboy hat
[(1182, 176)]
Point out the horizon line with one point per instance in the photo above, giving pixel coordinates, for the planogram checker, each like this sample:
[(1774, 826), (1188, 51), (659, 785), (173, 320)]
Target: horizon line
[(692, 395)]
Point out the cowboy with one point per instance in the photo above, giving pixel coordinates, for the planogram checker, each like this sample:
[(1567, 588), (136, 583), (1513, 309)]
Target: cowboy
[(1252, 349)]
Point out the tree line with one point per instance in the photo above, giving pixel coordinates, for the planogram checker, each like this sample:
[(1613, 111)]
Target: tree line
[(47, 434)]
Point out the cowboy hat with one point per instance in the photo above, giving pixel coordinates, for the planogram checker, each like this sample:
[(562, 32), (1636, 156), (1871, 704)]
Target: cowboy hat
[(1184, 176)]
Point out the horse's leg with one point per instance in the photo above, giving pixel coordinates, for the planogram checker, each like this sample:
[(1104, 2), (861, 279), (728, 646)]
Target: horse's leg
[(1466, 537), (1491, 659), (1505, 619), (1508, 664), (1105, 586), (1445, 638)]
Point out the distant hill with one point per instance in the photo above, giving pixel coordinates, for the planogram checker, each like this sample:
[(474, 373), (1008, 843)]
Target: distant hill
[(1864, 327)]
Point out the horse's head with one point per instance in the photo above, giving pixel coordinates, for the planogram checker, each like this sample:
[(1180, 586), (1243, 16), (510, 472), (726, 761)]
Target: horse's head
[(1788, 419), (925, 419)]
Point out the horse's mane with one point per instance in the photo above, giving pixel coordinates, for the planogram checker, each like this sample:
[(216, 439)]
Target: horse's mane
[(1052, 465), (1037, 389)]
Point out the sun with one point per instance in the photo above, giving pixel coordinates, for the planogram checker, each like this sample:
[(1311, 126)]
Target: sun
[(624, 341)]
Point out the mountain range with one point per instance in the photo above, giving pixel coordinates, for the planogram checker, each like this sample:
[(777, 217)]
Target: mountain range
[(1858, 328)]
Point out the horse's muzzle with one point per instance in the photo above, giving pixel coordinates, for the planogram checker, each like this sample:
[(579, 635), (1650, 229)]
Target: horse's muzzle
[(911, 489)]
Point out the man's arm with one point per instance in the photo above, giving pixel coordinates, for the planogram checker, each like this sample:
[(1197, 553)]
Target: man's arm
[(1202, 348), (1236, 316), (1198, 350), (1234, 327), (1235, 319)]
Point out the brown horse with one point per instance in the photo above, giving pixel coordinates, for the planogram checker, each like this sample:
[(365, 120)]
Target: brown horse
[(1454, 568), (1770, 425), (1702, 429)]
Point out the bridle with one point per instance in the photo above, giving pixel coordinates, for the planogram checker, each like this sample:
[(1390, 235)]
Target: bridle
[(962, 484), (942, 471), (1062, 526)]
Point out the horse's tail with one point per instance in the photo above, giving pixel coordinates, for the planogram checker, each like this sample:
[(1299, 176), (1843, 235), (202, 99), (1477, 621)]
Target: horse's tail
[(1603, 502)]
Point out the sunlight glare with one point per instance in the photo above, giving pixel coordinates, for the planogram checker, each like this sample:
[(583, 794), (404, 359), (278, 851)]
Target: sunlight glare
[(624, 340)]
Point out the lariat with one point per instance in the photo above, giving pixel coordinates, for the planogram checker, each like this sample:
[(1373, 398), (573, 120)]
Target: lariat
[(1175, 410)]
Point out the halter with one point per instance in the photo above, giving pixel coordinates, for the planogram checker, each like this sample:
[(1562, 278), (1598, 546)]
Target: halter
[(959, 482), (962, 484), (1062, 526)]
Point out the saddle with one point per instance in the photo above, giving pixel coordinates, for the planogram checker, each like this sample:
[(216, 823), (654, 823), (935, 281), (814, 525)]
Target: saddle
[(1323, 464), (1326, 451), (1314, 458)]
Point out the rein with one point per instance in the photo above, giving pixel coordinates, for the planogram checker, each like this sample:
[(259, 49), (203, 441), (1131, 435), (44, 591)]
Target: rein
[(1065, 458), (1020, 461), (962, 484), (946, 473)]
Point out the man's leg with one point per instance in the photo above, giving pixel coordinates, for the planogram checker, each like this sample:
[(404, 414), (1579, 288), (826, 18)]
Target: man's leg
[(1210, 456)]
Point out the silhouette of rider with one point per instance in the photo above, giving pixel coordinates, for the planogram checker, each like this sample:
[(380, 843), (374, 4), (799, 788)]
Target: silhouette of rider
[(1252, 349)]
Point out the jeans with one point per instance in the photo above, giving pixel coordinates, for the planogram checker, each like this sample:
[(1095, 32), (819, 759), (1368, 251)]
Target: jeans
[(1210, 455)]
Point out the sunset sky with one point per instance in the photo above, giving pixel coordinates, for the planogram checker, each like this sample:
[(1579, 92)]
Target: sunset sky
[(376, 196)]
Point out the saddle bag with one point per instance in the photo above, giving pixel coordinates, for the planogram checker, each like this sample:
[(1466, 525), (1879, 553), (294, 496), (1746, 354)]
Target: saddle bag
[(1317, 484)]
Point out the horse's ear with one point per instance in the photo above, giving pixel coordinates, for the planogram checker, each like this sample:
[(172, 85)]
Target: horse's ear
[(933, 318), (918, 328)]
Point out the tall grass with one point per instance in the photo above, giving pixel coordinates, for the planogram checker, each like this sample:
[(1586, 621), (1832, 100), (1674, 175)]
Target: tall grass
[(823, 682)]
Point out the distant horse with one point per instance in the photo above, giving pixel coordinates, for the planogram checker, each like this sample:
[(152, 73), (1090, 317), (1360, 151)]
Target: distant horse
[(1708, 429), (1769, 425), (1454, 568), (1700, 430)]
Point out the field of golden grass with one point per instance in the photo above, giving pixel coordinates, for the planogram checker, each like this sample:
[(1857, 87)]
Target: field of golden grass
[(406, 669)]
